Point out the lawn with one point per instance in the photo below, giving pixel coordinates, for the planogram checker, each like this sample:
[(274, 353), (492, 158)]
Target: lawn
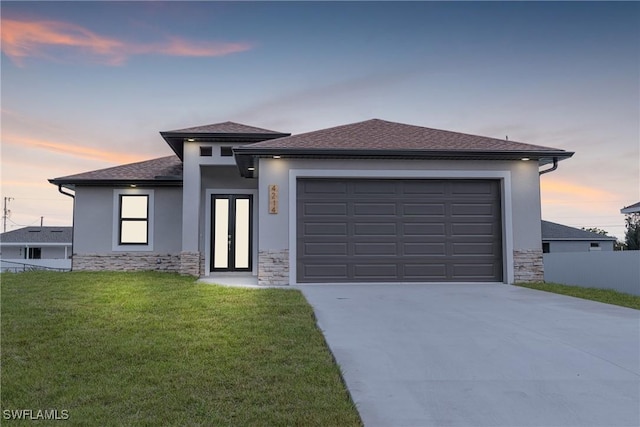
[(159, 349), (601, 295)]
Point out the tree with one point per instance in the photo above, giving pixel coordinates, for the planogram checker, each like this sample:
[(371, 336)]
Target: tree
[(596, 230), (632, 235)]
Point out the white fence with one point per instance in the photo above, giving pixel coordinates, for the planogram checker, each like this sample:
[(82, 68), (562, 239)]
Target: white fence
[(18, 265), (607, 270)]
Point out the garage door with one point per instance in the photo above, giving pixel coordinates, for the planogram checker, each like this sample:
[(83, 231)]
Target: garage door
[(362, 230)]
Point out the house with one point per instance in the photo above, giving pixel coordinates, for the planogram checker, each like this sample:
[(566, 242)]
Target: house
[(374, 201), (562, 238), (635, 208), (36, 247)]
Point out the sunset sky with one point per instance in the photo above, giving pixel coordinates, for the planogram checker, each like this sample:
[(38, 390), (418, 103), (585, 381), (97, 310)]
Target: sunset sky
[(89, 85)]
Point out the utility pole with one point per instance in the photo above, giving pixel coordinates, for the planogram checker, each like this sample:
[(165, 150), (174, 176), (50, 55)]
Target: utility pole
[(5, 213)]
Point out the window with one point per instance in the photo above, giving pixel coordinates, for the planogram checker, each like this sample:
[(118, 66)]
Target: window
[(226, 151), (134, 219), (206, 151), (595, 245), (33, 253), (545, 248)]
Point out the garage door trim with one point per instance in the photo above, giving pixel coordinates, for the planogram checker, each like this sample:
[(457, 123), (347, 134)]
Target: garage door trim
[(504, 176)]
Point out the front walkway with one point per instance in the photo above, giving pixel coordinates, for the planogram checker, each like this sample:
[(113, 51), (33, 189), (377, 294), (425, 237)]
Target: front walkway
[(481, 355)]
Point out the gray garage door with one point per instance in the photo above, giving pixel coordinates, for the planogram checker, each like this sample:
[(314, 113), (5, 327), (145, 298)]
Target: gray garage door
[(362, 230)]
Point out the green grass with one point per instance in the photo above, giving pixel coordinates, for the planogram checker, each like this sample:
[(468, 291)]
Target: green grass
[(159, 349), (601, 295)]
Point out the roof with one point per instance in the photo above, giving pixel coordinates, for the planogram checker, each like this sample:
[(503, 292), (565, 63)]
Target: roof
[(381, 138), (38, 235), (554, 231), (631, 208), (224, 128), (218, 132), (161, 171)]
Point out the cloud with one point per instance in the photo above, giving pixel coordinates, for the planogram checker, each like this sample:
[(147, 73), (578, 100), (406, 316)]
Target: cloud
[(24, 39), (72, 150), (558, 191)]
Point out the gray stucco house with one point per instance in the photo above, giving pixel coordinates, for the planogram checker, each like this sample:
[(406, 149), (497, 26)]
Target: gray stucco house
[(374, 201), (631, 209), (562, 238)]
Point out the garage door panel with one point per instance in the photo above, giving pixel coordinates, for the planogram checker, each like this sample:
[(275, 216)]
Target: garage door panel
[(419, 271), (375, 271), (325, 272), (423, 187), (473, 271), (375, 249), (473, 248), (473, 228), (424, 209), (399, 230), (422, 248), (472, 188), (315, 188), (374, 209), (375, 229), (472, 209), (317, 248), (380, 188), (325, 229), (325, 208), (424, 229)]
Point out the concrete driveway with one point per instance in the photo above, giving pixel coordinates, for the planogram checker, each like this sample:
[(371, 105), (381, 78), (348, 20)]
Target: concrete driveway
[(481, 355)]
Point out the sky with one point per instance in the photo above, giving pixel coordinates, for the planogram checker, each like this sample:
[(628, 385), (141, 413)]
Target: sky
[(88, 85)]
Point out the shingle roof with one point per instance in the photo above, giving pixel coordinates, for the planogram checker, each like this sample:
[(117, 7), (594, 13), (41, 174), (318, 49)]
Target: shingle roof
[(376, 134), (163, 169), (225, 127), (631, 208), (554, 231), (38, 235)]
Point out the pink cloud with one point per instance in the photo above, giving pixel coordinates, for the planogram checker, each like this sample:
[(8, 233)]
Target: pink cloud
[(24, 39)]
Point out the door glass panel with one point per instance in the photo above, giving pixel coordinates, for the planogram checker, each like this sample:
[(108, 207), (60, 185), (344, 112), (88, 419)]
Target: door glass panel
[(221, 233), (242, 233)]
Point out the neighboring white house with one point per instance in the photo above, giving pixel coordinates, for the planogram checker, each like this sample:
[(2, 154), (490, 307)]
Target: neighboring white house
[(29, 247), (374, 201), (562, 238), (635, 208)]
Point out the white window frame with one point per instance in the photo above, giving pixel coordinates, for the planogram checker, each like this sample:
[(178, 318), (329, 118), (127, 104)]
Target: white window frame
[(116, 246)]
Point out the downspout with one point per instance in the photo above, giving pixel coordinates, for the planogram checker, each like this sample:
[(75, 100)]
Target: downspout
[(552, 168), (73, 219)]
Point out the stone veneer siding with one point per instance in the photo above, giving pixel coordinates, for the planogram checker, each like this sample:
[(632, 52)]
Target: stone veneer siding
[(191, 263), (273, 267), (126, 261), (528, 266)]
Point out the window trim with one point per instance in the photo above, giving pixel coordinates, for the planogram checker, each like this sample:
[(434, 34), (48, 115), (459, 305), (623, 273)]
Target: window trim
[(122, 220), (117, 245)]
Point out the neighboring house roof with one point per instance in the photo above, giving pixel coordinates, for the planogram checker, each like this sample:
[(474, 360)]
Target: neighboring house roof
[(35, 235), (217, 132), (161, 171), (381, 138), (554, 231), (631, 209)]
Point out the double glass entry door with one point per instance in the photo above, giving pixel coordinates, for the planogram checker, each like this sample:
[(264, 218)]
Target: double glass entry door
[(231, 228)]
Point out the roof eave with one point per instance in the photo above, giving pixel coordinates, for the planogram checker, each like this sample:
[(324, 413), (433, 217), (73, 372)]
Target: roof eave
[(176, 139), (245, 155), (71, 183)]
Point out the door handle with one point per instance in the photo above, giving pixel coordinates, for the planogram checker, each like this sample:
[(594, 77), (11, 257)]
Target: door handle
[(229, 241)]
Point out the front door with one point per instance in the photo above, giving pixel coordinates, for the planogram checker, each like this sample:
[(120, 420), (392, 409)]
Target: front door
[(231, 228)]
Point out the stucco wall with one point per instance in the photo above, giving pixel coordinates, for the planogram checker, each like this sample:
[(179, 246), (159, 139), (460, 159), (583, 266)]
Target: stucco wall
[(94, 225), (578, 246), (524, 194), (48, 252)]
